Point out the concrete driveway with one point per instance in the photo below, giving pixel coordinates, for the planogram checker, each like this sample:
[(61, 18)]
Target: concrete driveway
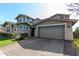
[(35, 47)]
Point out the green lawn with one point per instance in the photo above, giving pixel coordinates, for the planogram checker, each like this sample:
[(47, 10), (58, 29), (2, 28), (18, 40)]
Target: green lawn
[(76, 42), (4, 42), (76, 45)]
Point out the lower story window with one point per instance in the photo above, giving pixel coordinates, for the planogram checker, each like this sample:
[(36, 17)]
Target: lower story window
[(27, 28), (8, 30), (20, 26)]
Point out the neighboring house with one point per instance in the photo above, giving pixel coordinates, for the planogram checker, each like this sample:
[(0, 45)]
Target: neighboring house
[(9, 27), (58, 26), (24, 24)]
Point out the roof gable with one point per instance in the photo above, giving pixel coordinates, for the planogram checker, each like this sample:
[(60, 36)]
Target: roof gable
[(73, 21), (22, 15)]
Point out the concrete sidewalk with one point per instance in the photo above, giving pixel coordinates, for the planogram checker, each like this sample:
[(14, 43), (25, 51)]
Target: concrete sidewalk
[(2, 54)]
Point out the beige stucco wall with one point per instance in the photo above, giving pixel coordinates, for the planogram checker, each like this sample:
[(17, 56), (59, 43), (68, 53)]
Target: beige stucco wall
[(6, 27), (36, 31), (68, 34), (68, 31)]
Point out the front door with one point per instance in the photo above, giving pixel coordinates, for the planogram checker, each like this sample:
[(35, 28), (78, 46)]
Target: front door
[(32, 31)]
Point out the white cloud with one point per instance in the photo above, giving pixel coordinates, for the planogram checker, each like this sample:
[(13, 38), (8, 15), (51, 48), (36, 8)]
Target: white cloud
[(48, 10), (51, 9)]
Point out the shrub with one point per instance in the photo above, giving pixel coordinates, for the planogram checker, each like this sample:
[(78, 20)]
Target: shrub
[(13, 36), (19, 37), (8, 35), (24, 34), (3, 34)]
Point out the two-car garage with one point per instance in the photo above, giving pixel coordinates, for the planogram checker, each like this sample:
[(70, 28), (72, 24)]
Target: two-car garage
[(54, 32), (54, 29), (51, 31)]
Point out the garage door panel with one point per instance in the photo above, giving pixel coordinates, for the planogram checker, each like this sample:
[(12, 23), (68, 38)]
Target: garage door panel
[(52, 32)]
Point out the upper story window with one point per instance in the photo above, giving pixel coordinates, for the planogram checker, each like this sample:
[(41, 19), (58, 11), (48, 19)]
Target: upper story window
[(61, 17), (30, 20), (21, 19), (24, 19), (64, 17), (67, 17)]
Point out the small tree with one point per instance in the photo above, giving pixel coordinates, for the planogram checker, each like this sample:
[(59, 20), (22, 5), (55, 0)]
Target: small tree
[(7, 22), (4, 24), (73, 7)]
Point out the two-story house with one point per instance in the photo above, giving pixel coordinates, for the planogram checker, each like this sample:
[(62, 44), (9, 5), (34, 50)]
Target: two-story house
[(24, 24), (58, 26)]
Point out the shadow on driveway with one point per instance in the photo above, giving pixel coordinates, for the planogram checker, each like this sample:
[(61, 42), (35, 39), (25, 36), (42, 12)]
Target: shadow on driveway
[(69, 49), (41, 44)]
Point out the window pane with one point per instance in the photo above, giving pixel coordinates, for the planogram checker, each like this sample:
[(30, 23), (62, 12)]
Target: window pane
[(24, 20), (61, 17), (27, 27), (20, 26)]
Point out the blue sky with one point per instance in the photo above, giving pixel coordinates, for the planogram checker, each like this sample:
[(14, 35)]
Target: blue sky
[(8, 11)]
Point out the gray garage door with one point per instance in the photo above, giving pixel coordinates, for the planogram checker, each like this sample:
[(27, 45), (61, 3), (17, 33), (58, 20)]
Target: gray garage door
[(55, 32)]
